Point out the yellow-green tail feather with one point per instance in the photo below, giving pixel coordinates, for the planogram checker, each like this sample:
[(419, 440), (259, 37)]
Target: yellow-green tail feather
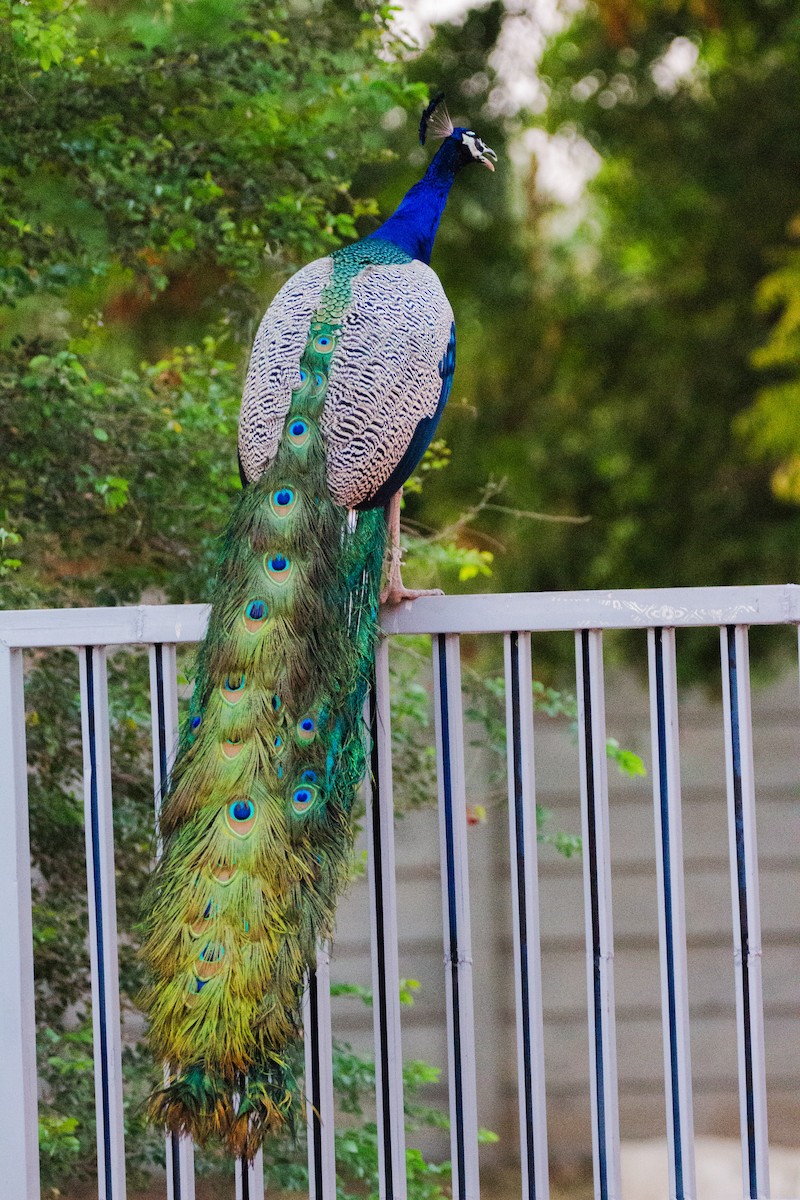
[(256, 824)]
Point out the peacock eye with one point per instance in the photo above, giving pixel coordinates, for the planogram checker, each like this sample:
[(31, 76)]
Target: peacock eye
[(240, 817), (298, 433), (224, 872), (195, 722), (306, 729), (232, 747), (212, 952), (282, 501), (209, 962), (278, 567), (255, 615), (233, 688), (303, 797)]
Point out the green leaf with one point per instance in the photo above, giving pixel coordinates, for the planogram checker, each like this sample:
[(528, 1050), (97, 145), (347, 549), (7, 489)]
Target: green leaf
[(627, 762)]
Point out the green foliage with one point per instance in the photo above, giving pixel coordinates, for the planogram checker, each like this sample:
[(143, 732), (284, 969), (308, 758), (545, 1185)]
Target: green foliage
[(627, 762), (605, 351), (172, 134), (357, 1143), (43, 31), (57, 1137), (8, 537), (100, 473), (771, 426)]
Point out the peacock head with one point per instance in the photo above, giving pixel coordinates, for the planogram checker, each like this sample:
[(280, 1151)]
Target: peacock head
[(471, 148)]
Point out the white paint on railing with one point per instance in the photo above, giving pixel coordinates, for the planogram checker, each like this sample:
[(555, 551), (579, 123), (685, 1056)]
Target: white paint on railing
[(540, 612), (179, 1151), (597, 910), (462, 1082), (250, 1178), (525, 915), (523, 612), (319, 1081), (384, 941), (740, 779), (666, 778), (99, 830), (161, 628), (19, 1128)]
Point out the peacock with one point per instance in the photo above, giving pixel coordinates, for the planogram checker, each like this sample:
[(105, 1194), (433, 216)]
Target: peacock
[(349, 373)]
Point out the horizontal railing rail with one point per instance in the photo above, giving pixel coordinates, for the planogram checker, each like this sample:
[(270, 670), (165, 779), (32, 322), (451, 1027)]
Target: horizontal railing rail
[(659, 612), (521, 612)]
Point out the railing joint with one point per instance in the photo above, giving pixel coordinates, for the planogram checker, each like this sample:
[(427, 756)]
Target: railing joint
[(458, 960)]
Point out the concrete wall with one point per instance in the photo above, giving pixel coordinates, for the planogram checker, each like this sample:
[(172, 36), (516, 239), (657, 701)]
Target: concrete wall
[(777, 749)]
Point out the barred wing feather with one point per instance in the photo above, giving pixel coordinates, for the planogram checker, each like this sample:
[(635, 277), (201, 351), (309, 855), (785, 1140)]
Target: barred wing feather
[(386, 378)]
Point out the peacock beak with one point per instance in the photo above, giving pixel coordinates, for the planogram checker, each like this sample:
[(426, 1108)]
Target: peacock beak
[(485, 160)]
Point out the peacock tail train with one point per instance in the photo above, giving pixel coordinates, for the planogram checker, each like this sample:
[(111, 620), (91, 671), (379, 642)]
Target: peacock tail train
[(256, 827)]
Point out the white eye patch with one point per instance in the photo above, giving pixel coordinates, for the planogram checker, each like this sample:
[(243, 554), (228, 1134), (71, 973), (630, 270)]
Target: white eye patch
[(474, 143)]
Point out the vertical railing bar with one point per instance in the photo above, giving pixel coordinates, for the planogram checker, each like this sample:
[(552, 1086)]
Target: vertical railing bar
[(164, 716), (455, 903), (671, 912), (597, 907), (384, 942), (99, 829), (525, 904), (250, 1178), (319, 1081), (746, 908), (19, 1132)]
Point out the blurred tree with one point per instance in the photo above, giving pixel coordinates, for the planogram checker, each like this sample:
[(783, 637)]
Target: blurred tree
[(771, 427), (177, 139), (695, 110), (606, 353), (160, 165)]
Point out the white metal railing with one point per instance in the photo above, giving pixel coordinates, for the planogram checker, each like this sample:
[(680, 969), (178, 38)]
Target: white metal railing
[(659, 612)]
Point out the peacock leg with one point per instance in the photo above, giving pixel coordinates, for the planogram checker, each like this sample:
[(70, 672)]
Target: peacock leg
[(394, 592)]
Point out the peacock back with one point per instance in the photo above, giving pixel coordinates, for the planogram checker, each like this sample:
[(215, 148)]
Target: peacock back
[(393, 358)]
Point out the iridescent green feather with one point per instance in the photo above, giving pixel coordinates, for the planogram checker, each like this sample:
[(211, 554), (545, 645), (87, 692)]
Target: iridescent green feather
[(256, 823)]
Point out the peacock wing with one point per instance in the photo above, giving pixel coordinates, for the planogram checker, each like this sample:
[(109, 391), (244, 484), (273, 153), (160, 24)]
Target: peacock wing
[(388, 381), (274, 365)]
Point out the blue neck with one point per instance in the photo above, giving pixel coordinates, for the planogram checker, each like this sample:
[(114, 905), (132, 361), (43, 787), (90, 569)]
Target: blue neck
[(413, 225)]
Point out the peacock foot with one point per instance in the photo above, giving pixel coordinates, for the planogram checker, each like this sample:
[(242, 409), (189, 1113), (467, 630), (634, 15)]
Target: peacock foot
[(396, 593)]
